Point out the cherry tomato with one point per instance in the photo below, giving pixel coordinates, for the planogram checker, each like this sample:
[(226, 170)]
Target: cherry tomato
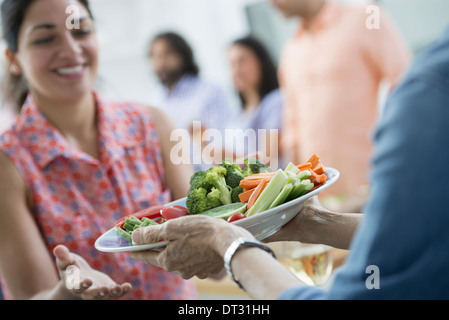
[(169, 213), (182, 208), (236, 216)]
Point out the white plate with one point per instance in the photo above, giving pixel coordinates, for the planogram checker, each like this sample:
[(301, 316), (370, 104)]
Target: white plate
[(261, 225)]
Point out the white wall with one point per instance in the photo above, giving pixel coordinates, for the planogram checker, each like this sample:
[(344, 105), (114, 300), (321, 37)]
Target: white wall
[(126, 26), (421, 22)]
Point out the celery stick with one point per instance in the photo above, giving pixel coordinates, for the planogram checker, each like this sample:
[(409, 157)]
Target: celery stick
[(270, 193), (300, 189), (291, 176), (282, 197), (304, 175), (292, 168)]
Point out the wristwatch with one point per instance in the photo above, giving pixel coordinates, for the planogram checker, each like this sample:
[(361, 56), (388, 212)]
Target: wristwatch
[(235, 247)]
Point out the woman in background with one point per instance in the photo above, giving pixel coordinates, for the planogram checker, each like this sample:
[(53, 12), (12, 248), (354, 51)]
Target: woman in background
[(254, 77), (74, 163)]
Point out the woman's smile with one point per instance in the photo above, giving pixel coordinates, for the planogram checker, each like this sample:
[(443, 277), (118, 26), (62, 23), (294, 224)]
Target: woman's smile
[(71, 72)]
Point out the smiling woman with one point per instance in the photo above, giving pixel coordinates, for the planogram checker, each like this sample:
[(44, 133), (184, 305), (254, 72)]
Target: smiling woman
[(34, 37), (74, 163)]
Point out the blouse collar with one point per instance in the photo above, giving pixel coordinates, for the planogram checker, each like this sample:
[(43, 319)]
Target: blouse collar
[(46, 143)]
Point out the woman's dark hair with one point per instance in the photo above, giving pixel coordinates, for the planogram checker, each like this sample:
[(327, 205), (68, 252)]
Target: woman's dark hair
[(181, 47), (15, 88), (269, 79)]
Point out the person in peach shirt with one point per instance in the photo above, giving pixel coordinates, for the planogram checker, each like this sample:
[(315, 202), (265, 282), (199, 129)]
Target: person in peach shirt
[(331, 72)]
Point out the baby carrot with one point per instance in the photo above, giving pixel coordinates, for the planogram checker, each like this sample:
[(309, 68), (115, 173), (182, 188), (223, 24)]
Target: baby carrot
[(257, 193), (244, 197)]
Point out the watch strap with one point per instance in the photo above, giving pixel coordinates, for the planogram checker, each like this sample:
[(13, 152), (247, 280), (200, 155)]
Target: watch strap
[(235, 247)]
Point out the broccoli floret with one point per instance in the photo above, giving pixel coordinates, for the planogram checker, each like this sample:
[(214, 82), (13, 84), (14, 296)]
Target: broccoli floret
[(210, 189), (233, 179), (235, 194), (213, 199), (230, 166), (197, 200), (254, 166), (197, 180), (234, 174), (215, 176)]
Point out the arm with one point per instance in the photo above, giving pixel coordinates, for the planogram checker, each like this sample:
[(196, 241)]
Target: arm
[(250, 265), (177, 176), (289, 145), (198, 244), (317, 225), (387, 50), (32, 270), (25, 262), (404, 232), (197, 247)]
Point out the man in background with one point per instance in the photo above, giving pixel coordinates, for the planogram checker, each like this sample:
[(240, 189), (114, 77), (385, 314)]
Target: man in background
[(331, 71), (184, 95)]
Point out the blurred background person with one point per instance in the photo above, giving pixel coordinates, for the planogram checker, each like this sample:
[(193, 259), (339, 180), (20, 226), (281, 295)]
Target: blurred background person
[(183, 94), (254, 77), (331, 71)]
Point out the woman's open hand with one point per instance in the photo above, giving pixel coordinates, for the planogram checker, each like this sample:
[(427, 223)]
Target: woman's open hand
[(83, 282)]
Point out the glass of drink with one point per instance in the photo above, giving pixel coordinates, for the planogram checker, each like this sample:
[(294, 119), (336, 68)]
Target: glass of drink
[(310, 263)]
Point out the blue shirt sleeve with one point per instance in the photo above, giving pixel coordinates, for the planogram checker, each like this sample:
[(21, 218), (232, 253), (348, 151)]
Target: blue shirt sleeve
[(400, 249), (303, 293), (404, 232)]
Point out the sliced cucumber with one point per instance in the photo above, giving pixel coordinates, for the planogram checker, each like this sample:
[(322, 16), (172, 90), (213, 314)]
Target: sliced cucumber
[(226, 211)]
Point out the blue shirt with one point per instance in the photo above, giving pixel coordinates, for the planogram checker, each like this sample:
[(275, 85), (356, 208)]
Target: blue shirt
[(267, 116), (404, 235), (193, 99)]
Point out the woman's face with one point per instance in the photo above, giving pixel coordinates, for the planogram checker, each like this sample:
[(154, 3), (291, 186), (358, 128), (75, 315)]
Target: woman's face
[(245, 68), (58, 58)]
